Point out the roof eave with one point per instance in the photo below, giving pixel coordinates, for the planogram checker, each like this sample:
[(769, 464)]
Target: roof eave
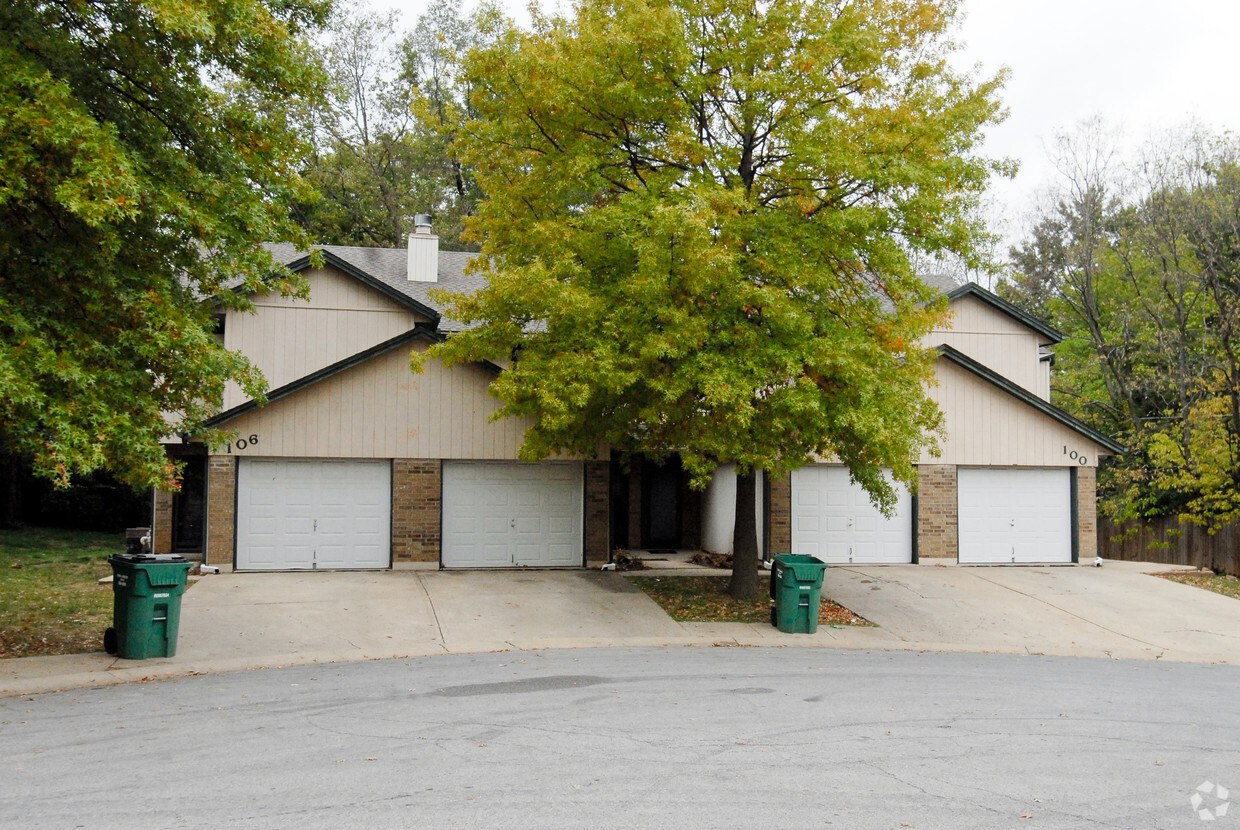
[(969, 364), (1052, 335)]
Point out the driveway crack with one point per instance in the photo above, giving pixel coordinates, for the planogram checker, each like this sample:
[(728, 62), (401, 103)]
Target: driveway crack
[(434, 613)]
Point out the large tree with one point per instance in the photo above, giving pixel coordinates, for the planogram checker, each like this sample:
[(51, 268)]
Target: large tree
[(1139, 266), (382, 136), (145, 152), (697, 228)]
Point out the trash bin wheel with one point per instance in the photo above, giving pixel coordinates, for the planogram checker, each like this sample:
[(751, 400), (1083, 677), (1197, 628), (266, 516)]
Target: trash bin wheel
[(109, 640)]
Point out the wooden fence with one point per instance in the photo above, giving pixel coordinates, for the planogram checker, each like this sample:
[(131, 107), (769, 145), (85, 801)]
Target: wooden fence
[(1170, 541)]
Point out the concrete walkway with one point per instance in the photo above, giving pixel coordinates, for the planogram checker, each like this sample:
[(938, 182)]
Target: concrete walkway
[(233, 622)]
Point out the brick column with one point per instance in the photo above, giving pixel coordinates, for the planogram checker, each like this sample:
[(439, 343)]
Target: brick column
[(598, 510), (781, 515), (938, 529), (1086, 513), (161, 522), (417, 509), (221, 510)]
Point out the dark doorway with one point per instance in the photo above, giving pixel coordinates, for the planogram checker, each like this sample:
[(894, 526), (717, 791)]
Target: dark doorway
[(661, 503), (619, 477), (189, 507)]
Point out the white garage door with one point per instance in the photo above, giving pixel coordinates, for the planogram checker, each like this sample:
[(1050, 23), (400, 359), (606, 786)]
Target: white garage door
[(834, 520), (302, 514), (1014, 515), (504, 515)]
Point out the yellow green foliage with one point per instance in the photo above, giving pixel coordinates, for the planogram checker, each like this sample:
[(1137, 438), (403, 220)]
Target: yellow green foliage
[(698, 223), (145, 152)]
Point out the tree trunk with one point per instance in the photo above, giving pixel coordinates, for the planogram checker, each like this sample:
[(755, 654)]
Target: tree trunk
[(745, 540)]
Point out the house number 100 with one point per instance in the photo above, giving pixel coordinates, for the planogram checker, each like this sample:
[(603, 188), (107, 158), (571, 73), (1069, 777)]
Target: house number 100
[(1073, 454), (242, 443)]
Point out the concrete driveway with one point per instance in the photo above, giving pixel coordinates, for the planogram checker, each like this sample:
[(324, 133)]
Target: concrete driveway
[(1119, 610), (231, 622)]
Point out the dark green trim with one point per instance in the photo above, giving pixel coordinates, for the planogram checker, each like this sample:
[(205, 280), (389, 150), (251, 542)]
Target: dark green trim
[(971, 365), (327, 372), (1076, 517), (358, 274), (916, 511), (419, 332), (992, 299)]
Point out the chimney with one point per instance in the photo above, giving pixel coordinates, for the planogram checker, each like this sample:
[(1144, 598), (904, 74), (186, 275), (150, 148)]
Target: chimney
[(423, 251)]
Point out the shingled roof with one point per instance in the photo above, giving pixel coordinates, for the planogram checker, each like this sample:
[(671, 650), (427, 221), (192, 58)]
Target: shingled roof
[(388, 266)]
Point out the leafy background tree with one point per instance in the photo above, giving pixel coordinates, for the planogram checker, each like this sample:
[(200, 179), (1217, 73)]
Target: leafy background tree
[(381, 148), (697, 228), (1137, 262), (145, 150)]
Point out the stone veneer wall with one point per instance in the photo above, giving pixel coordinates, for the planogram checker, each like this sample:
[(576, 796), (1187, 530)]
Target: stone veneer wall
[(597, 514), (221, 510), (417, 509), (161, 528), (781, 515), (938, 531), (1086, 513)]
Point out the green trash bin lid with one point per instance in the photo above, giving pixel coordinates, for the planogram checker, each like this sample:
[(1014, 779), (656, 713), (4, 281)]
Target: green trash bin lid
[(802, 567), (148, 558)]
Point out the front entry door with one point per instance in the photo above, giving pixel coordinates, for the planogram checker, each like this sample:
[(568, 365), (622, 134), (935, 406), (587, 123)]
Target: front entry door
[(189, 507), (661, 503)]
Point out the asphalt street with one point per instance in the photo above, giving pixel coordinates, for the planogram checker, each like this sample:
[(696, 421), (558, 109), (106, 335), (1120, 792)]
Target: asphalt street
[(674, 737)]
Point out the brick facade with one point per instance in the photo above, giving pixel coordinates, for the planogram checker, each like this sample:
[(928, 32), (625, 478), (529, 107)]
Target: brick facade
[(937, 515), (417, 509), (1086, 513), (161, 522), (597, 515), (781, 515), (221, 510)]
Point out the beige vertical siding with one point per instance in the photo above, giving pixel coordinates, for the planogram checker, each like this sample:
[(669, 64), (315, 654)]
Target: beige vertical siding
[(288, 338), (993, 339), (988, 427), (380, 409)]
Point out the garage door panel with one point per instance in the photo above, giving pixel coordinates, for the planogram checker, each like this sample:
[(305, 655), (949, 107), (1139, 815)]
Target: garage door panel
[(1015, 515), (834, 520), (531, 514), (303, 514)]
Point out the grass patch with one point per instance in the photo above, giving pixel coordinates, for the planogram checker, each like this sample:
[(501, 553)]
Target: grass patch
[(50, 599), (705, 599), (1228, 586)]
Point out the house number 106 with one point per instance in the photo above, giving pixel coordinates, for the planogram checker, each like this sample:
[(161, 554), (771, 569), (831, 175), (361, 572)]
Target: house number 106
[(1073, 454), (242, 443)]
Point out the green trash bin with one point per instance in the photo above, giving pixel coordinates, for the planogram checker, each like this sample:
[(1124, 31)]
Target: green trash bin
[(796, 587), (146, 604)]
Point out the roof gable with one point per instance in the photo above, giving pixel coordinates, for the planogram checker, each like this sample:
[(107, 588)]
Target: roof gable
[(995, 379), (418, 333), (972, 289), (345, 266)]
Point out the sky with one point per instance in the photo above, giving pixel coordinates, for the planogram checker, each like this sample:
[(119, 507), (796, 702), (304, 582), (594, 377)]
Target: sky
[(1142, 65)]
